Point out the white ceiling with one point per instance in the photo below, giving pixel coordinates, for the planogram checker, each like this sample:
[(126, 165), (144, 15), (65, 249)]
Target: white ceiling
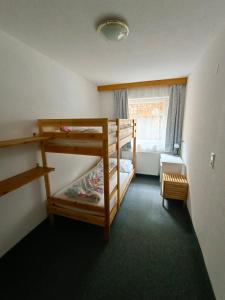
[(166, 36)]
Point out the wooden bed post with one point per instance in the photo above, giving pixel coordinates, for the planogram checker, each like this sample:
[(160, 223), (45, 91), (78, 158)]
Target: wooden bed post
[(46, 177), (118, 162), (134, 145), (106, 179)]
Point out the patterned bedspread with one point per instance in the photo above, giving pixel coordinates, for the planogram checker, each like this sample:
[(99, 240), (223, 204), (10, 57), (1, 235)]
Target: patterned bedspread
[(90, 187)]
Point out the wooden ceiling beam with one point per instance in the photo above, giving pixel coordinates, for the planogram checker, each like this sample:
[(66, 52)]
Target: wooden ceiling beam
[(140, 84)]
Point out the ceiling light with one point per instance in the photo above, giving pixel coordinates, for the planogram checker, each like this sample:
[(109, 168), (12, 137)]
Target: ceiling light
[(113, 30)]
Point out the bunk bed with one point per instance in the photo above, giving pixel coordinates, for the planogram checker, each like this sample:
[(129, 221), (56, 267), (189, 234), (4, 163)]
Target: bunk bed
[(95, 137)]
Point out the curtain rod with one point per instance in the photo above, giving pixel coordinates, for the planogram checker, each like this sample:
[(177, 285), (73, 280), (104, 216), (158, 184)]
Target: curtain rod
[(110, 87)]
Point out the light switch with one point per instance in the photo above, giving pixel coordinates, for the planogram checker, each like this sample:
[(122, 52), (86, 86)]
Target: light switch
[(217, 68), (212, 159)]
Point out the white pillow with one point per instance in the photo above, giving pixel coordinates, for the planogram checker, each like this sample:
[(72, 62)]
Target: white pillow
[(126, 165)]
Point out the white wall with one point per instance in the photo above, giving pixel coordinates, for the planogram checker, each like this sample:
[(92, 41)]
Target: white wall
[(33, 86), (204, 132), (107, 104)]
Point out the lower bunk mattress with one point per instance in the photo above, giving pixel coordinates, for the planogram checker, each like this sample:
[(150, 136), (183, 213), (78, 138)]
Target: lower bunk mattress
[(89, 190)]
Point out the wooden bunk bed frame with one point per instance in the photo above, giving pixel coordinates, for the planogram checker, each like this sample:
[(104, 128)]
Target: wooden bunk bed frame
[(125, 133)]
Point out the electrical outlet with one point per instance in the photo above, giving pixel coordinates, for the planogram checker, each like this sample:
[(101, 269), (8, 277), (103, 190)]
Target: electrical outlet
[(212, 159)]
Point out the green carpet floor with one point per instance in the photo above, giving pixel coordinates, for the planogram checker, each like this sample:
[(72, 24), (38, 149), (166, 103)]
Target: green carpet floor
[(153, 254)]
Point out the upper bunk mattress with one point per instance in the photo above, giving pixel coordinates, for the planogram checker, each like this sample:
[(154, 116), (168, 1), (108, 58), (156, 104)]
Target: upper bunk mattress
[(85, 143)]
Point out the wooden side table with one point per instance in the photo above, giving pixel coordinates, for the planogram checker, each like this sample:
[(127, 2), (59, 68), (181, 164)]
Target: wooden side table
[(174, 186)]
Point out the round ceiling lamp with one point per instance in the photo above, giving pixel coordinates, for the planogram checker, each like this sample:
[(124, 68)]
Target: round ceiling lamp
[(113, 30)]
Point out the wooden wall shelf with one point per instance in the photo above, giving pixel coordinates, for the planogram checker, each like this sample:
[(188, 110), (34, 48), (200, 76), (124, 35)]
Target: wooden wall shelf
[(27, 140), (21, 179)]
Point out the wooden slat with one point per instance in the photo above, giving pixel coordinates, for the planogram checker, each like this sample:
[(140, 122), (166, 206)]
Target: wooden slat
[(113, 193), (73, 122), (113, 171), (126, 187), (22, 141), (179, 178), (140, 84), (118, 163), (113, 213), (69, 213), (126, 140), (73, 150), (73, 204), (74, 135), (21, 179), (106, 182), (112, 122), (126, 122), (126, 132), (112, 149)]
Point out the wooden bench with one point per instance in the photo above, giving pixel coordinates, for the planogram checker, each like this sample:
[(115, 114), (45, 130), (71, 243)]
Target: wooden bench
[(174, 186)]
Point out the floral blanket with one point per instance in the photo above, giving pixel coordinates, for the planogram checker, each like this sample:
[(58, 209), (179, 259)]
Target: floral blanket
[(90, 187)]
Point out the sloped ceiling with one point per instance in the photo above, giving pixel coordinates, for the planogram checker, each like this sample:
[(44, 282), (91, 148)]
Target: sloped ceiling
[(166, 36)]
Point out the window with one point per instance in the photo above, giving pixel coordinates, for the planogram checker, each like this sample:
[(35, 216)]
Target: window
[(151, 116)]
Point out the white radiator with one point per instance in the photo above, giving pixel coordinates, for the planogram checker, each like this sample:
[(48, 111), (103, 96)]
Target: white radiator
[(147, 163)]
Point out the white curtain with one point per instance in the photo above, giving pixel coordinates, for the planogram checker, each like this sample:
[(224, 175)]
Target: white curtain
[(151, 132), (149, 92), (150, 107)]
